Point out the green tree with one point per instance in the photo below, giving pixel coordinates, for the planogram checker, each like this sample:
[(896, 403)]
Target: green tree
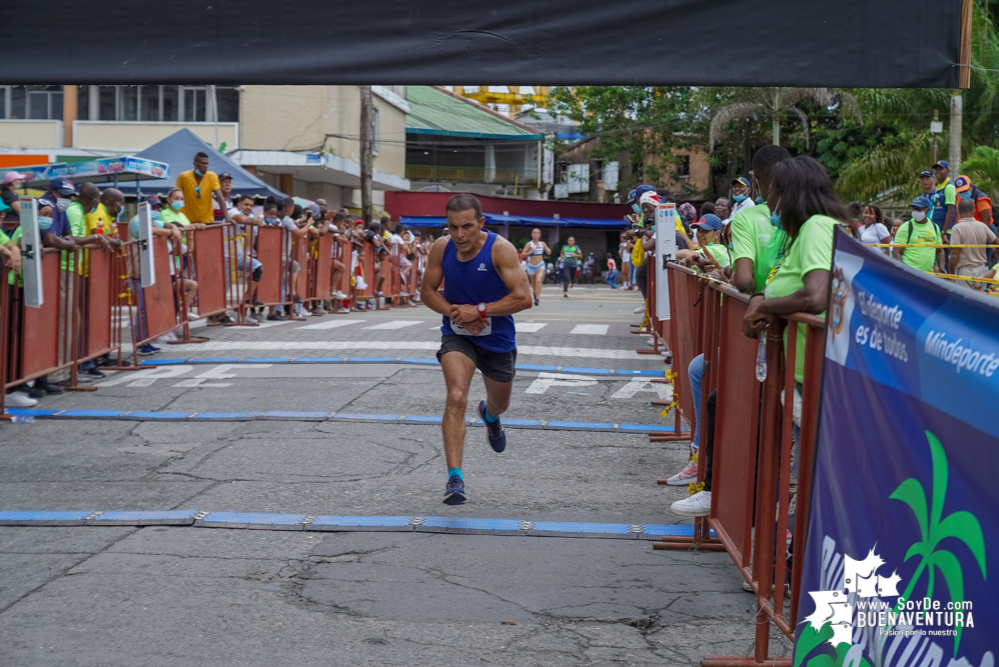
[(982, 167), (635, 125), (934, 528), (775, 104)]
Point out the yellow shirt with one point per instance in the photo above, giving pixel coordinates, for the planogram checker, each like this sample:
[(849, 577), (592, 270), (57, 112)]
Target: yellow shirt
[(99, 219), (198, 196)]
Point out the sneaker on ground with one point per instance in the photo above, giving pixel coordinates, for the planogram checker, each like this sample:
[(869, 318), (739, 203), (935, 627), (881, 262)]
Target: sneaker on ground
[(49, 388), (372, 305), (341, 309), (698, 504), (167, 337), (300, 310), (339, 295), (454, 494), (260, 317), (147, 349), (19, 399), (651, 341), (497, 436), (565, 294), (276, 318), (92, 374), (639, 310), (537, 301), (319, 310), (683, 477)]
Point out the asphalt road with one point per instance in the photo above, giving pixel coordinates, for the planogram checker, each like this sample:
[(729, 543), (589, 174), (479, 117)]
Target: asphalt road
[(177, 595)]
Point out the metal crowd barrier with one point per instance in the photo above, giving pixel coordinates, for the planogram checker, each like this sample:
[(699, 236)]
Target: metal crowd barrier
[(751, 478), (80, 318), (106, 293)]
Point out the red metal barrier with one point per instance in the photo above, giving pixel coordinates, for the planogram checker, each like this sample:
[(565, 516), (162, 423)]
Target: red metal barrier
[(80, 307), (752, 447)]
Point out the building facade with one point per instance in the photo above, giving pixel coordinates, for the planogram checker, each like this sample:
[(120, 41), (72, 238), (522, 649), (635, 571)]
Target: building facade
[(303, 140)]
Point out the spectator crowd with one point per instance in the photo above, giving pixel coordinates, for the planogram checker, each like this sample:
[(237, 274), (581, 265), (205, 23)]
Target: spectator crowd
[(72, 217)]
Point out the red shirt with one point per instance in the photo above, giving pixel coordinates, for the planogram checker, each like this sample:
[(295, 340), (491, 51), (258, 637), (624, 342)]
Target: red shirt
[(611, 265)]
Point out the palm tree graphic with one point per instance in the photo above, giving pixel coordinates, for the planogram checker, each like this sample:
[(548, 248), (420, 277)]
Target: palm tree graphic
[(933, 528)]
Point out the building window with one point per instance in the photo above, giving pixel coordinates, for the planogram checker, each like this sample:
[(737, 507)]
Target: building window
[(107, 103), (374, 132), (228, 104), (683, 169), (128, 103), (194, 104), (44, 102)]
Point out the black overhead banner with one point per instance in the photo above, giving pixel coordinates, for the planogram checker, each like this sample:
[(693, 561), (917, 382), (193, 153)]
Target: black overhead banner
[(843, 43)]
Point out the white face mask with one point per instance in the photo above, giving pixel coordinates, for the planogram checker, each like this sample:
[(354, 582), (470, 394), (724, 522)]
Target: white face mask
[(62, 204), (919, 216)]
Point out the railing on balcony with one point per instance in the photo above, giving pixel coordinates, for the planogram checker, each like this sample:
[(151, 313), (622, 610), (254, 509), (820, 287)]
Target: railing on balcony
[(416, 172)]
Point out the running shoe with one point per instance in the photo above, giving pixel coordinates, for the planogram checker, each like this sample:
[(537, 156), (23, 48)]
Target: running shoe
[(684, 476), (497, 436), (698, 504), (537, 301), (454, 494), (147, 350), (565, 294), (639, 310), (92, 374), (276, 318)]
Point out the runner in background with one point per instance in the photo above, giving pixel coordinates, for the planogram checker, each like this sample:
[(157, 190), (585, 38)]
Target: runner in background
[(534, 254), (483, 287), (571, 256)]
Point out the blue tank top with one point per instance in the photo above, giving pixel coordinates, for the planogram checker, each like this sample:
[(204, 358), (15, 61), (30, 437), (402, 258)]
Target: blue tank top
[(473, 282)]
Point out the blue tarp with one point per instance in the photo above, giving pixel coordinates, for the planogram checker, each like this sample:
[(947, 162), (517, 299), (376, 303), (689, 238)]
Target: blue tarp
[(522, 221), (178, 151)]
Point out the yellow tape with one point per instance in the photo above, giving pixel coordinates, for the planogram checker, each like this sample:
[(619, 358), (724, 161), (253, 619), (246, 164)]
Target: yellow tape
[(949, 276), (667, 410)]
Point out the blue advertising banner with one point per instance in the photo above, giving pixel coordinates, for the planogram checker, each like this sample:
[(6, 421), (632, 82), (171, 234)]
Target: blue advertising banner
[(905, 505)]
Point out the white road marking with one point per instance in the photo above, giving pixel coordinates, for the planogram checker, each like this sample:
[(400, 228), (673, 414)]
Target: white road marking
[(593, 329), (636, 385), (547, 380), (530, 327), (394, 324), (304, 348), (217, 373), (145, 377), (332, 324)]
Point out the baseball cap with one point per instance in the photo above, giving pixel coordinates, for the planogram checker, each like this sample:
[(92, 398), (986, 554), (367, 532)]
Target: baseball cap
[(649, 198), (63, 186), (741, 181), (14, 176), (635, 194), (710, 222), (224, 175), (922, 201), (926, 173), (154, 201), (942, 163), (962, 183)]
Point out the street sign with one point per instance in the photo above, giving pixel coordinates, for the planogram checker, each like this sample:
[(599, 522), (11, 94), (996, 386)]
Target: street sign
[(147, 267), (31, 253)]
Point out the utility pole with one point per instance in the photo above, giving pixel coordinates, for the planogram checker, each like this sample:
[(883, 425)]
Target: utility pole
[(367, 151), (956, 113)]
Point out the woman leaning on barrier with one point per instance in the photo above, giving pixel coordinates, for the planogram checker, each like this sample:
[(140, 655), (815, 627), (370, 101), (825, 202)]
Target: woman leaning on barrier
[(805, 206)]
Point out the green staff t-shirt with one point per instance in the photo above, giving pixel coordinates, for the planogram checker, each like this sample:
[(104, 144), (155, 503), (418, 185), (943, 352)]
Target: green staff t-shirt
[(751, 232), (812, 250), (922, 233)]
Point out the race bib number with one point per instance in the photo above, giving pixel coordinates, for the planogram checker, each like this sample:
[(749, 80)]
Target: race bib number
[(462, 331)]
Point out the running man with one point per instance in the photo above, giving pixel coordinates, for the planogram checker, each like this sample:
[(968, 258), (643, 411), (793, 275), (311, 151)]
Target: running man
[(484, 286), (571, 256), (534, 252)]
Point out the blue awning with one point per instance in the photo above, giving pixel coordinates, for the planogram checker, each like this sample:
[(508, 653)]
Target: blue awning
[(521, 221), (422, 222)]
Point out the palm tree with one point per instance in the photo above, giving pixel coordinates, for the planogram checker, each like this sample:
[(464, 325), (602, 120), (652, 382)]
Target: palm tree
[(889, 170), (982, 167), (933, 528), (776, 104)]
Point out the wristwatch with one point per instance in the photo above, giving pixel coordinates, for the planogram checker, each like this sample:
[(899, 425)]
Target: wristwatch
[(482, 311)]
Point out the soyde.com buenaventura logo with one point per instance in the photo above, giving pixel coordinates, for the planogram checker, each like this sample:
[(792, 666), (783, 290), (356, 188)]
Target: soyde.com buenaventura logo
[(869, 596)]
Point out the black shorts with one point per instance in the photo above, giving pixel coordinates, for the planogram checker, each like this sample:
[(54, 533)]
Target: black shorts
[(497, 366)]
